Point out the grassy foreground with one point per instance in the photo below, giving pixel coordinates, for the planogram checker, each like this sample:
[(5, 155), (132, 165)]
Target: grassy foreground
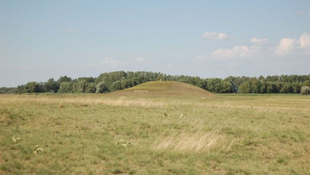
[(111, 134)]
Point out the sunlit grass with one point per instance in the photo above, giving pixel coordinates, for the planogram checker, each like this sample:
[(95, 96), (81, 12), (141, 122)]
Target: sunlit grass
[(79, 133)]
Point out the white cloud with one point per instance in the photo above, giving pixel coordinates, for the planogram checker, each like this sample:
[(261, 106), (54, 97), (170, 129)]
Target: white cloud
[(139, 60), (236, 52), (110, 61), (201, 58), (214, 35), (304, 41), (286, 46), (258, 40)]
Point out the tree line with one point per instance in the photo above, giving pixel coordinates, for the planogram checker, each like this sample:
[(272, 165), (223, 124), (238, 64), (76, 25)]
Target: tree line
[(113, 81)]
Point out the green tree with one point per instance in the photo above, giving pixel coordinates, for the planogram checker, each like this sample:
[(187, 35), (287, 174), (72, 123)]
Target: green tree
[(263, 87), (255, 85), (66, 87), (64, 79), (117, 85), (80, 86), (271, 87), (306, 83), (90, 88), (52, 85), (287, 88), (235, 83), (296, 87), (32, 87), (245, 87), (102, 88), (226, 87)]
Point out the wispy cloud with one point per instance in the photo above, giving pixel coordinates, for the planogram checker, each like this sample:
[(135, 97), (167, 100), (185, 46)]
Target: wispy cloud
[(201, 58), (236, 52), (110, 61), (107, 61), (258, 40), (117, 63), (139, 60), (214, 35)]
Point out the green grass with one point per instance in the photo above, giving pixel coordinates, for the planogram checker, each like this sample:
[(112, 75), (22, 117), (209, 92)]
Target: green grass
[(165, 90), (230, 134)]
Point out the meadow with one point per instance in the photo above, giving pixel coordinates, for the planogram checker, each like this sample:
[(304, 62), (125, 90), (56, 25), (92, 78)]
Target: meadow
[(125, 133)]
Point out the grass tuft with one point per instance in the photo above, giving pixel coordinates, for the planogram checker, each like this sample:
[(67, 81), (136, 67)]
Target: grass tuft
[(190, 141)]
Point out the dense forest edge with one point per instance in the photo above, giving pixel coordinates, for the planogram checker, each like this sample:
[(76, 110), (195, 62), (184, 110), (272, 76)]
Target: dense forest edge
[(113, 81)]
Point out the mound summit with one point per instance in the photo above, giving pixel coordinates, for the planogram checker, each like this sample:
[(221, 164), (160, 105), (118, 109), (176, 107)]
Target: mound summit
[(165, 89)]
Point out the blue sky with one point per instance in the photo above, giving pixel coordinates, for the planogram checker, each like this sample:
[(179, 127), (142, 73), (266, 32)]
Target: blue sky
[(47, 39)]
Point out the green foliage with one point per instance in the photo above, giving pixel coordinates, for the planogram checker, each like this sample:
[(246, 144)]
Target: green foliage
[(52, 85), (271, 87), (214, 84), (64, 79), (102, 88), (226, 87), (306, 83), (117, 85), (6, 90), (245, 88), (120, 80), (109, 78), (80, 86), (90, 88), (32, 87), (66, 87), (287, 88), (87, 79), (296, 87)]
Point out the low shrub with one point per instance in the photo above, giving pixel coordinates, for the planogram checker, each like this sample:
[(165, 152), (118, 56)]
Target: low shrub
[(305, 90)]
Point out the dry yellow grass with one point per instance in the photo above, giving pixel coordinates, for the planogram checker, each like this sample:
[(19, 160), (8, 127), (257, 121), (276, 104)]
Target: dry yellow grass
[(191, 142), (230, 134)]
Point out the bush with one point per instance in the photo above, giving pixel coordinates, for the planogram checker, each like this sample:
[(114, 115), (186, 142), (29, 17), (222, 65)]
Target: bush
[(305, 90)]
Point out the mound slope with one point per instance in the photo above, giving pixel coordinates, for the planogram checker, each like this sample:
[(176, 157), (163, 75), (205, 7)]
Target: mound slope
[(165, 89)]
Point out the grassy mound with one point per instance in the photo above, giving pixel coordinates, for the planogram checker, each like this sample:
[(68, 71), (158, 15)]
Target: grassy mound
[(166, 89)]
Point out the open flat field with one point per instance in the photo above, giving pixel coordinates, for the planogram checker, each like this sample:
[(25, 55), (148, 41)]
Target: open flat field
[(120, 134)]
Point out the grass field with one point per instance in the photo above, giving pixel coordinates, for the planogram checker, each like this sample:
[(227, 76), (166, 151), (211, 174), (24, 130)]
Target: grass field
[(122, 133)]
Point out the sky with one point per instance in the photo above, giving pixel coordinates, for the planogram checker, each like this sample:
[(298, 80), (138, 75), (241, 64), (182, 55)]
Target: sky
[(47, 39)]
